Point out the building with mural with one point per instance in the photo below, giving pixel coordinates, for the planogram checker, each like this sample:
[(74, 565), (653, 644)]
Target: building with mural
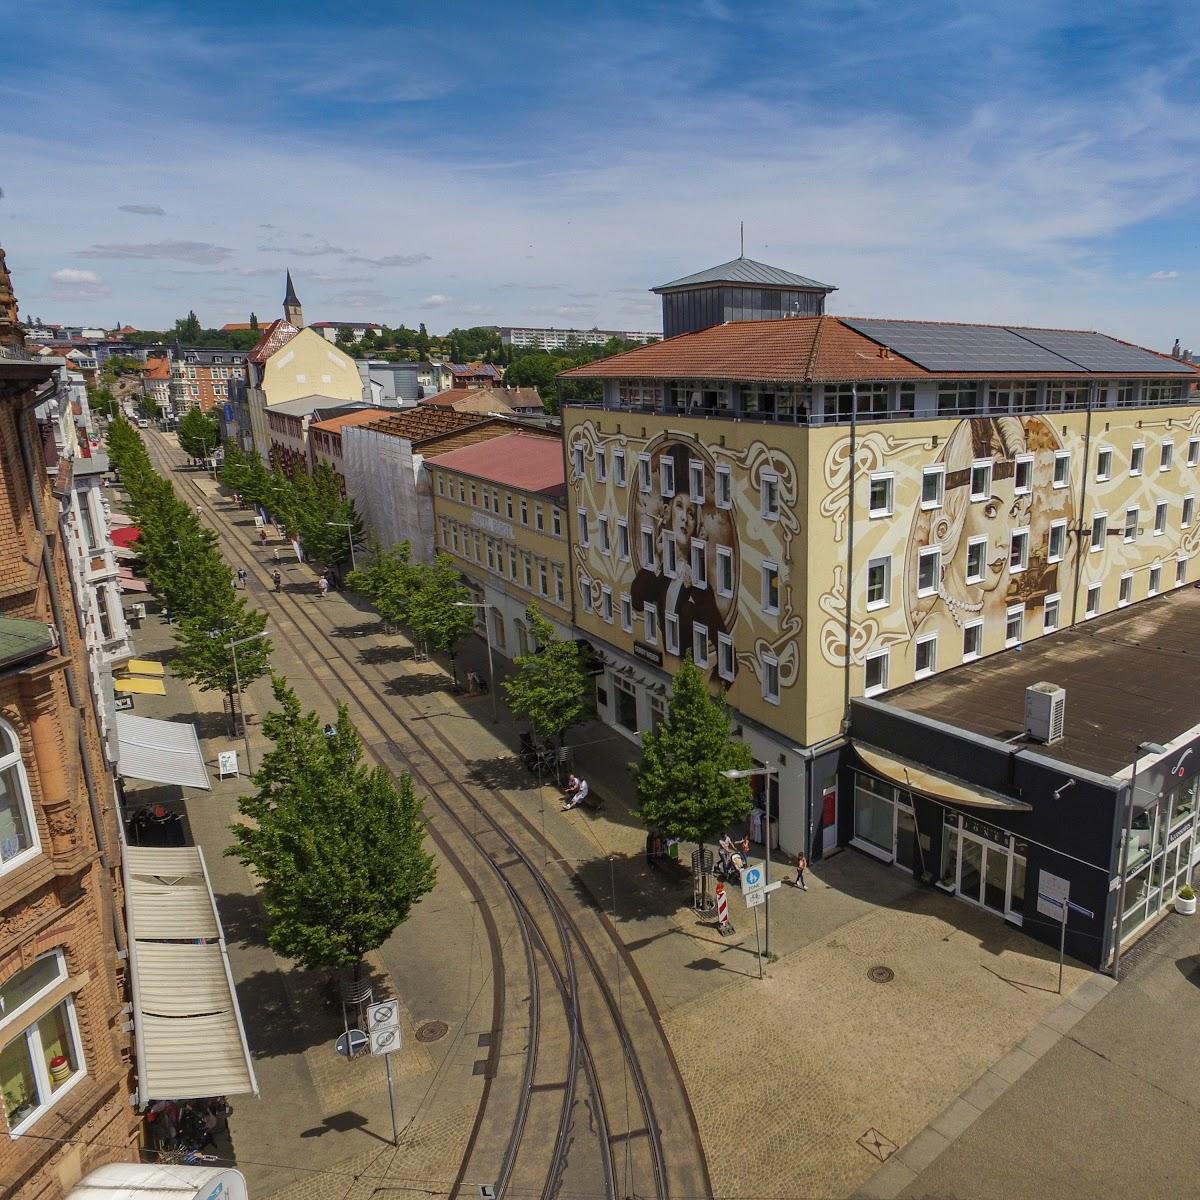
[(820, 508)]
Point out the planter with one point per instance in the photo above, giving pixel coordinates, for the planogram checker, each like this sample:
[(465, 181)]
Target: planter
[(1185, 906)]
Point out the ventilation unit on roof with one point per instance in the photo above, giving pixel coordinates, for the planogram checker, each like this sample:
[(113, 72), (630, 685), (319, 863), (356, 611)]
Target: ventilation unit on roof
[(1045, 712)]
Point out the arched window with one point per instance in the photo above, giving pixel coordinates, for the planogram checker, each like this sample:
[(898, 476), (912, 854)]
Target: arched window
[(18, 833)]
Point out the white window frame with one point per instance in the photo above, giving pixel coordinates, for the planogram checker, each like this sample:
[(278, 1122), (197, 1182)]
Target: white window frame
[(884, 561), (1018, 538), (602, 530), (769, 569), (622, 539), (1023, 463), (700, 642), (577, 459), (938, 473), (881, 657), (724, 567), (696, 475), (619, 467), (650, 624), (1137, 458), (1052, 602), (670, 555), (976, 544), (1131, 527), (1099, 527), (1014, 610), (1193, 453), (601, 465), (985, 466), (975, 629), (1180, 572), (649, 551), (924, 555), (922, 644), (671, 633), (770, 670), (666, 477), (1187, 513), (1125, 589), (555, 518), (1160, 518), (1092, 602), (726, 659), (1155, 582), (1062, 458), (698, 562), (13, 761), (644, 474), (581, 528), (1104, 458), (768, 496), (1059, 527), (1166, 455), (626, 612), (724, 486), (585, 589), (888, 480)]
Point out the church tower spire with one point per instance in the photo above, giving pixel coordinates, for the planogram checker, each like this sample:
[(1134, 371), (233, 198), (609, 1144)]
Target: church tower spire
[(292, 311)]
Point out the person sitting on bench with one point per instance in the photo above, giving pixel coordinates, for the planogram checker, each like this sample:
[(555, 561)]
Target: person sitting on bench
[(577, 791)]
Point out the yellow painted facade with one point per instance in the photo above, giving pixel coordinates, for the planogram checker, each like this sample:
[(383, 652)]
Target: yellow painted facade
[(966, 532)]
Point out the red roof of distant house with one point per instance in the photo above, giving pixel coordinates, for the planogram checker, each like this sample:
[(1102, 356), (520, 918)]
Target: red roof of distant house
[(158, 368), (126, 535), (237, 327), (275, 336), (363, 416), (472, 370), (529, 461)]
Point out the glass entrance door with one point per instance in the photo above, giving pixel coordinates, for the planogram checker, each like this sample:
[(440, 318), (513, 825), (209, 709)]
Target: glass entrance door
[(906, 838), (995, 877)]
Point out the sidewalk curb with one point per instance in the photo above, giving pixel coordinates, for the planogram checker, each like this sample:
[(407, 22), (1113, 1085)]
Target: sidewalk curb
[(903, 1167)]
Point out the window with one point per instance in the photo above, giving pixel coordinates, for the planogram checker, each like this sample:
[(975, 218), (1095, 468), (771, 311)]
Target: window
[(724, 488), (929, 569), (1137, 455), (926, 659), (769, 495), (1160, 518), (441, 485), (462, 492), (933, 487), (582, 526), (875, 673), (1050, 613), (1099, 530), (543, 580), (1056, 542), (1125, 592), (18, 831), (1180, 572), (1092, 607), (1189, 512), (626, 612), (666, 476), (981, 480), (474, 495), (619, 467), (881, 493), (555, 518), (696, 481), (1018, 550), (700, 645), (1193, 458), (770, 588), (527, 571), (559, 591), (454, 538), (512, 562), (976, 555), (724, 571), (1155, 580), (1062, 468), (601, 464), (622, 539), (539, 518), (577, 456), (650, 623), (1166, 456), (770, 678), (525, 513), (1023, 475), (699, 563), (879, 582), (42, 1060), (606, 609), (585, 590), (972, 640), (648, 556), (1014, 624), (670, 555), (725, 656), (602, 529), (644, 472), (671, 633), (1132, 515), (1103, 463)]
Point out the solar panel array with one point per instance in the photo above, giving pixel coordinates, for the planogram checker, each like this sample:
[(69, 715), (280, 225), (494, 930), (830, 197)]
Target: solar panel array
[(980, 348)]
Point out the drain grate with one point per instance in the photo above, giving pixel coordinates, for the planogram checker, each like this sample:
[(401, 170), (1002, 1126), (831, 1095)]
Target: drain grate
[(877, 975), (432, 1031)]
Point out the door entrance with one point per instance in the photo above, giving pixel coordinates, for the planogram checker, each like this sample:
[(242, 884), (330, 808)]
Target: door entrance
[(988, 873), (906, 838), (829, 818)]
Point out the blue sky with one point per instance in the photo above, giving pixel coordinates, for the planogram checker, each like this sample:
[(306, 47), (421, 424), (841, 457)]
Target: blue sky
[(547, 163)]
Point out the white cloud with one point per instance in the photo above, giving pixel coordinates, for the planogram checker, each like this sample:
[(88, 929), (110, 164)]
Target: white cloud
[(69, 275), (72, 284), (177, 251), (436, 300), (143, 210), (1164, 274)]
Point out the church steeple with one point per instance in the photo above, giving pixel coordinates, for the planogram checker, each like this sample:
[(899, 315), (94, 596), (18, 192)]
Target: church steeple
[(292, 312)]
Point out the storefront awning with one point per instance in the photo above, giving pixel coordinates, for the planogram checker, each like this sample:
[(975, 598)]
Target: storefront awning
[(160, 1181), (190, 1039), (145, 666), (125, 534), (159, 751), (139, 687), (116, 519), (934, 784), (133, 585)]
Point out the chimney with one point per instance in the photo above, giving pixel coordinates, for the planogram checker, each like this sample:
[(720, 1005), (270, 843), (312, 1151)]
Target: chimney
[(1175, 349)]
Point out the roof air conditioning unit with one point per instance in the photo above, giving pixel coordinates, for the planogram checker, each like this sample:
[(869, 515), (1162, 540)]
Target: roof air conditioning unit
[(1045, 712)]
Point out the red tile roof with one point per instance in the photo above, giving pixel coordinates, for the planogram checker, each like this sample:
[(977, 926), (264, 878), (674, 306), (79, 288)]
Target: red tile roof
[(501, 400), (158, 368), (334, 424), (529, 461), (275, 336)]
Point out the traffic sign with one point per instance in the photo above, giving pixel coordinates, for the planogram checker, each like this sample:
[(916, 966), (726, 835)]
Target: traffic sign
[(1078, 908), (383, 1022), (385, 1041), (352, 1042), (754, 884)]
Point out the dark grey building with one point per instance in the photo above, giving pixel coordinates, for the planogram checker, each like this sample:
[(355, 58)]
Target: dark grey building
[(741, 290)]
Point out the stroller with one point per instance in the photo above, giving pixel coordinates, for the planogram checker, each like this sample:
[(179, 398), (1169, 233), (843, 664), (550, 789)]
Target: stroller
[(730, 870)]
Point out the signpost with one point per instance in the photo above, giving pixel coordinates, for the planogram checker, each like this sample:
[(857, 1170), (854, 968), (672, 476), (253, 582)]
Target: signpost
[(1054, 900), (227, 763), (383, 1025), (352, 1042)]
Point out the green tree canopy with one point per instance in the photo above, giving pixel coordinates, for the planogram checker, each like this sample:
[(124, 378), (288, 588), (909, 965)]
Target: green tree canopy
[(388, 581), (680, 789), (199, 433), (550, 687), (187, 330), (338, 846), (434, 613), (321, 517)]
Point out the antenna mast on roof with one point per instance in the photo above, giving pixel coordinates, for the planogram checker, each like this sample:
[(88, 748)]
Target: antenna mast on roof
[(742, 232)]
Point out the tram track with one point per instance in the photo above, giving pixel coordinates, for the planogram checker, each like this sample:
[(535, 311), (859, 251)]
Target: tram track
[(601, 1045)]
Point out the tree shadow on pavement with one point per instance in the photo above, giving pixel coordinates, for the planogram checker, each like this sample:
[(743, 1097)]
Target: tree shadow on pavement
[(276, 1024), (364, 629), (1189, 968), (504, 771), (425, 684), (380, 656), (642, 892), (243, 919)]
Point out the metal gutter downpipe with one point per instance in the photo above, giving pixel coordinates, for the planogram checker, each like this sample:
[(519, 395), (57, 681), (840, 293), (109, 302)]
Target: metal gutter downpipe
[(1081, 529), (850, 554), (39, 522)]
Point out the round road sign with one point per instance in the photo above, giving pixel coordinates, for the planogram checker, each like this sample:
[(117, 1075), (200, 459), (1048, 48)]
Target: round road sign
[(352, 1042)]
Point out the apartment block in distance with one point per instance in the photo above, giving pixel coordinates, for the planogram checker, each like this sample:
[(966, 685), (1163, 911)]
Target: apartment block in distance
[(540, 338), (823, 508)]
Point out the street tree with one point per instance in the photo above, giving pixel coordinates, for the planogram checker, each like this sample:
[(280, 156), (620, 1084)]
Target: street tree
[(325, 520), (434, 611), (550, 686), (338, 847), (188, 331), (199, 433), (680, 789), (388, 581), (234, 465)]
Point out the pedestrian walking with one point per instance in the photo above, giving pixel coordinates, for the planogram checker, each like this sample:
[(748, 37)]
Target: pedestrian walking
[(278, 581), (262, 535), (801, 864), (275, 554), (323, 586), (241, 574)]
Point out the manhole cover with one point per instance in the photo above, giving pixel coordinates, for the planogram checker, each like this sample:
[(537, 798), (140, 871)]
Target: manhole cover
[(875, 975), (432, 1031)]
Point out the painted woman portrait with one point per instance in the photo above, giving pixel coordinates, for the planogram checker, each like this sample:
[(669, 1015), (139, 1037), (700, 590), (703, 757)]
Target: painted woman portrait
[(961, 521)]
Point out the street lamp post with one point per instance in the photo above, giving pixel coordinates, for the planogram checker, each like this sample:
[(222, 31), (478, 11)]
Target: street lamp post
[(751, 773), (1126, 836), (237, 683), (349, 528), (487, 633)]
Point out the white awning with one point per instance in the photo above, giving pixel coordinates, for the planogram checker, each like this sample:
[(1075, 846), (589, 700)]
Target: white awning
[(160, 1181), (933, 783), (190, 1039), (160, 751)]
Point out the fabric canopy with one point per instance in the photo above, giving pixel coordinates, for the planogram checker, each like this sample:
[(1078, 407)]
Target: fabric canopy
[(933, 784), (134, 585), (159, 751), (119, 518), (190, 1039), (125, 535), (145, 666), (141, 687)]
